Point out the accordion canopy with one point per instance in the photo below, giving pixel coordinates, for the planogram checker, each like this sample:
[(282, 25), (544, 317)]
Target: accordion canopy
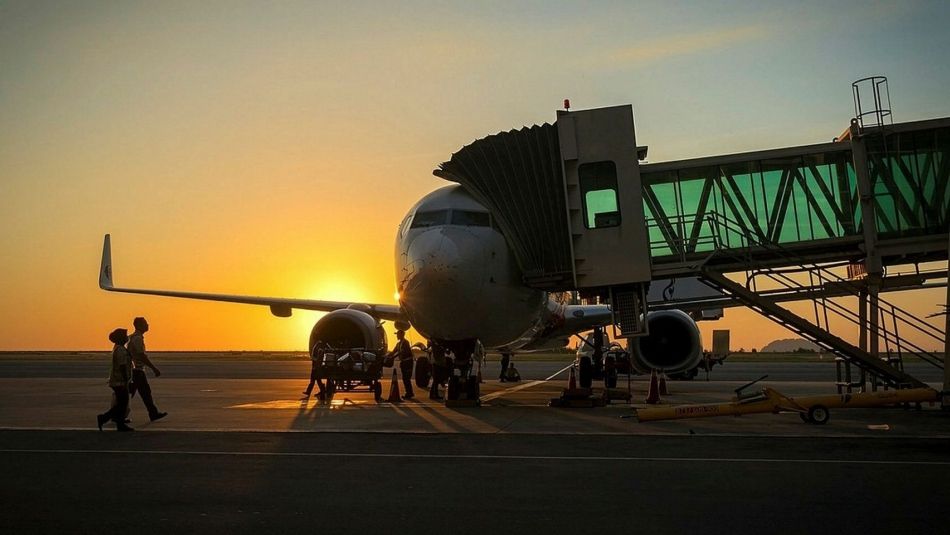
[(517, 175)]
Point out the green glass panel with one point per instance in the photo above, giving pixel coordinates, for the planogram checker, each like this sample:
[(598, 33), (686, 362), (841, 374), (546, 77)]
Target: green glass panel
[(812, 197), (598, 182), (742, 181), (658, 243), (852, 192), (601, 208), (666, 195)]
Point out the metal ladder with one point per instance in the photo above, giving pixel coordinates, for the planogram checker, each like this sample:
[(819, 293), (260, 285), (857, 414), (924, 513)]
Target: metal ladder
[(884, 372)]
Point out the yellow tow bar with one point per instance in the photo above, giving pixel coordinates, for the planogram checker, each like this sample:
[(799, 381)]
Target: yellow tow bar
[(812, 409)]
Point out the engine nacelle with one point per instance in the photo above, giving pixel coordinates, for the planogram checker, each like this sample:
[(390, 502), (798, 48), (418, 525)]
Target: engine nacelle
[(674, 344), (349, 328)]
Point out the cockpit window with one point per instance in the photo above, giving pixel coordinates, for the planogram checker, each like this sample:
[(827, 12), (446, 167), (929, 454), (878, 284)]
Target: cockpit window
[(429, 219), (404, 226), (470, 218)]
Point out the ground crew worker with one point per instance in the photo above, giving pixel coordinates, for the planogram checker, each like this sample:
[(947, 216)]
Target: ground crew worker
[(479, 357), (505, 361), (140, 361), (403, 352), (119, 376), (316, 362), (439, 374)]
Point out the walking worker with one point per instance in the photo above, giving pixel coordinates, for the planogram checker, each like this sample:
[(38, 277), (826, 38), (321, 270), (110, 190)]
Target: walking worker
[(141, 361), (403, 353), (119, 376), (316, 362), (505, 362)]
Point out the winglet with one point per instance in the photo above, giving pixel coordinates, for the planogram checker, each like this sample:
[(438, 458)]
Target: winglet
[(105, 269)]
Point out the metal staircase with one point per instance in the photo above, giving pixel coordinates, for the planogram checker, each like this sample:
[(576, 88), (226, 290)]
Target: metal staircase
[(887, 371)]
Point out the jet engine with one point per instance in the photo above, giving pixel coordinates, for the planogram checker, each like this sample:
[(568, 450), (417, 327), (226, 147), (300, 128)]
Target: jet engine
[(673, 345), (349, 328)]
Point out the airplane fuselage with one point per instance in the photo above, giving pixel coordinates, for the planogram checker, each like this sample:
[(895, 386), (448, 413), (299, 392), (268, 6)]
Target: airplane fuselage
[(457, 278)]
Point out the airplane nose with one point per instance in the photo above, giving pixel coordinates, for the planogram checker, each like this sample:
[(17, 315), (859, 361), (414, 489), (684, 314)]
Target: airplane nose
[(437, 257), (443, 266)]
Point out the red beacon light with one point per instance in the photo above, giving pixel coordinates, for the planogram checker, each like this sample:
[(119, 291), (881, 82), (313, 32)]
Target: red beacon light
[(567, 104)]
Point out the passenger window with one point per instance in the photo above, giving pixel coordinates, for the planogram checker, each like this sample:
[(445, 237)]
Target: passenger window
[(429, 219), (470, 218), (598, 182)]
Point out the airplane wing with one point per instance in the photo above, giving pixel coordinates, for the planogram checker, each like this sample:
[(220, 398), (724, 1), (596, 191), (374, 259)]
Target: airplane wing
[(281, 307), (576, 319)]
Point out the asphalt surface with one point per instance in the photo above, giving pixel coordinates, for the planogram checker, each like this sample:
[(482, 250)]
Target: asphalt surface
[(164, 482), (242, 452)]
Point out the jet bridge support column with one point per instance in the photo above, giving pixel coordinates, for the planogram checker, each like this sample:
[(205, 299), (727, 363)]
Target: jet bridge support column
[(875, 320), (863, 330), (872, 259), (945, 403)]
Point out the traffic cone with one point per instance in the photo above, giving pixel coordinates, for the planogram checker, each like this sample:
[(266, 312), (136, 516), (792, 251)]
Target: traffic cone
[(572, 382), (394, 396), (653, 394), (663, 390)]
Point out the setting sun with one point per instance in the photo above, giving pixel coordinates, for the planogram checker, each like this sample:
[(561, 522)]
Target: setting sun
[(274, 153)]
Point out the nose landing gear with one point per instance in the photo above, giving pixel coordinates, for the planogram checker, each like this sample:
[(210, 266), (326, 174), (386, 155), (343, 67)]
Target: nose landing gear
[(450, 365)]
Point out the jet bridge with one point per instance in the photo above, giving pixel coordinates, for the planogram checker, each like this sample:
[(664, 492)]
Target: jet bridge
[(784, 218), (569, 200), (581, 213)]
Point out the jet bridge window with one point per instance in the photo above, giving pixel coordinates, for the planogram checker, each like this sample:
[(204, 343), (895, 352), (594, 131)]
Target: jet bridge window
[(470, 218), (598, 183), (430, 219)]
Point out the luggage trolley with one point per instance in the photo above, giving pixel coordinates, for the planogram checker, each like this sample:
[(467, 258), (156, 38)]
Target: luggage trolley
[(350, 370)]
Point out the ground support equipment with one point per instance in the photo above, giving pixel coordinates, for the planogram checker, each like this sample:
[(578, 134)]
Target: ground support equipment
[(351, 370), (812, 409)]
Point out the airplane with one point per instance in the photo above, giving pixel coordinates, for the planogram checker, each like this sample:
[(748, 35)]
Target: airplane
[(458, 282)]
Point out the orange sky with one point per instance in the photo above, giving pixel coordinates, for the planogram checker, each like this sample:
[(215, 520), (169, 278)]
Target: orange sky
[(272, 149)]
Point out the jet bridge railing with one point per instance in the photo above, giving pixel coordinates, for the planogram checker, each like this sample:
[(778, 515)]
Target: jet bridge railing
[(893, 320)]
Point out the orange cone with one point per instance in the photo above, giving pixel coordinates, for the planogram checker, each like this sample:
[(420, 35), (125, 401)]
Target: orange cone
[(394, 396), (653, 395), (572, 382), (663, 390)]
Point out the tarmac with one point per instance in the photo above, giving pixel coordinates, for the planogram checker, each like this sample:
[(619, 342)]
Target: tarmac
[(240, 454)]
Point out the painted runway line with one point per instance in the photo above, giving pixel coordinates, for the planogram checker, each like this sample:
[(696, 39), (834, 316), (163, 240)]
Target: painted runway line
[(477, 457), (498, 394)]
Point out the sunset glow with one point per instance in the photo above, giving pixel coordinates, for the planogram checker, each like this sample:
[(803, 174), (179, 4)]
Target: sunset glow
[(273, 149)]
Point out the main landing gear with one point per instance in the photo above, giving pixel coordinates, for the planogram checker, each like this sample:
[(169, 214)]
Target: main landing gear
[(599, 366), (450, 365)]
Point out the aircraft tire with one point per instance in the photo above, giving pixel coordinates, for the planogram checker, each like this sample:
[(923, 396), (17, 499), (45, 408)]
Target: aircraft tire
[(585, 373), (452, 390), (423, 372)]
